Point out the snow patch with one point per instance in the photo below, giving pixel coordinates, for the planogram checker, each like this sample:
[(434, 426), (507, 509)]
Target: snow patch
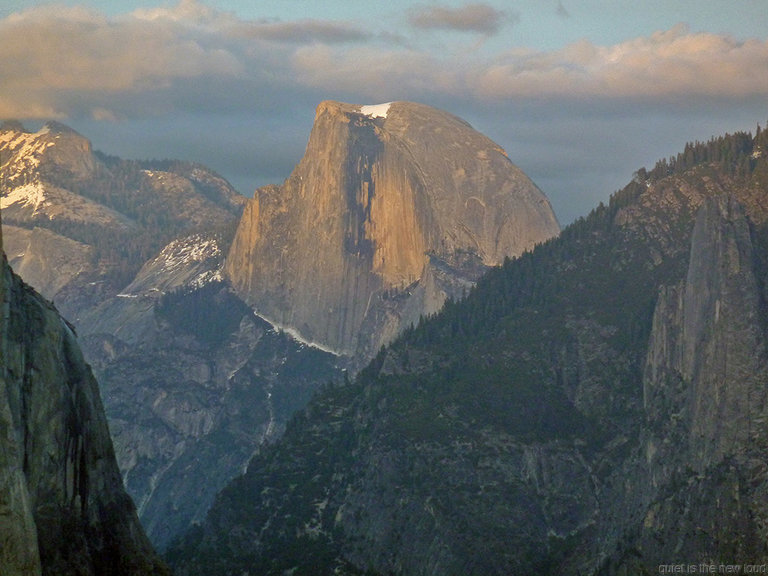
[(26, 150), (185, 251), (28, 195), (293, 333), (376, 110)]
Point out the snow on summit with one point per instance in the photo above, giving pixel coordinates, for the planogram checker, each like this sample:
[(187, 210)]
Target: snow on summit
[(26, 150), (376, 110)]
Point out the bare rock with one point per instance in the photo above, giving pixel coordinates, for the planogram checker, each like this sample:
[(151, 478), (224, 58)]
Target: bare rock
[(381, 196)]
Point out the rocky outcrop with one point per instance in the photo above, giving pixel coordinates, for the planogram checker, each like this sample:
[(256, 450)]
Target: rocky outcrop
[(709, 333), (706, 401), (63, 509), (386, 200)]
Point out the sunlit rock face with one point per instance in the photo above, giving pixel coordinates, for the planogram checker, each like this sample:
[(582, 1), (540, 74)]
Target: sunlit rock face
[(393, 209)]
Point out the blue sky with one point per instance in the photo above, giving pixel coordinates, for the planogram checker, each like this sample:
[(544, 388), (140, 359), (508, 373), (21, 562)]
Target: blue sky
[(580, 93)]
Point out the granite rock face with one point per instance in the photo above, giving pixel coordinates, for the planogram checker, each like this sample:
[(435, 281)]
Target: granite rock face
[(392, 209), (596, 406), (63, 508), (706, 401), (710, 332)]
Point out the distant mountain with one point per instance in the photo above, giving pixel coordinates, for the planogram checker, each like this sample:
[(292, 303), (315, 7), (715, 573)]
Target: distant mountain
[(193, 382), (597, 406), (393, 209), (63, 506), (80, 224)]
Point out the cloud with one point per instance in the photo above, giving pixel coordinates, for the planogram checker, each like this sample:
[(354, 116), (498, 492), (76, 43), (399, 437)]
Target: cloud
[(57, 60), (304, 32), (665, 65), (481, 18), (73, 62), (185, 10), (193, 82)]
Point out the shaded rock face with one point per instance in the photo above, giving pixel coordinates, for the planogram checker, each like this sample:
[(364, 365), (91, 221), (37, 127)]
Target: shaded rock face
[(347, 249), (62, 503), (193, 382), (706, 401)]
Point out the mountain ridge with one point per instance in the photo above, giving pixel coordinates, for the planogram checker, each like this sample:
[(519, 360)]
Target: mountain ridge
[(511, 434), (122, 211)]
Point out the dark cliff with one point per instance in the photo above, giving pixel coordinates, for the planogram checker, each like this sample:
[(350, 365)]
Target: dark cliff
[(63, 509)]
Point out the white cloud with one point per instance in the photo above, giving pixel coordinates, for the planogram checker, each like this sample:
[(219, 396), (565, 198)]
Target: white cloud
[(667, 64), (186, 11), (64, 62)]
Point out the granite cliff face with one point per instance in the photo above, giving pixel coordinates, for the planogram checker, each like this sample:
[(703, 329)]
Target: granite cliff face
[(706, 402), (392, 209), (596, 406), (63, 508)]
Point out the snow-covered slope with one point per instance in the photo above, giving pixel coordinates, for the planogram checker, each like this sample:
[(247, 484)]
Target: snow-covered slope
[(192, 261), (120, 212)]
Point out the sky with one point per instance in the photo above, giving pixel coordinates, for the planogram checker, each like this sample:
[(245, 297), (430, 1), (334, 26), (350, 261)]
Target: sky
[(580, 93)]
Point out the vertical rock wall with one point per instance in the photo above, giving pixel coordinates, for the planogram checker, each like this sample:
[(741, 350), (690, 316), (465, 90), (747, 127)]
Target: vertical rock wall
[(706, 403), (342, 250), (63, 509)]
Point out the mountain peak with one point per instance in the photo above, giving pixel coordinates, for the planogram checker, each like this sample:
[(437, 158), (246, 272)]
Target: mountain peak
[(386, 199), (55, 127)]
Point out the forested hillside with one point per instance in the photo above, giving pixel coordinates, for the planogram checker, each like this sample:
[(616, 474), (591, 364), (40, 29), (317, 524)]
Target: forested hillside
[(556, 420)]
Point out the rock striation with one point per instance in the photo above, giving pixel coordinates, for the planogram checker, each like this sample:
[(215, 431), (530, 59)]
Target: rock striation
[(392, 209), (63, 509), (706, 401)]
